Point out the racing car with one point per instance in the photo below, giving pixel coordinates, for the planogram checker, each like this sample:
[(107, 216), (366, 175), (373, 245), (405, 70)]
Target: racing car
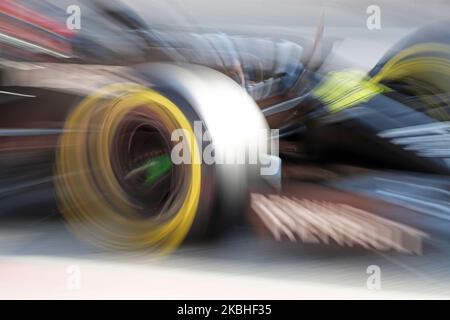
[(95, 117)]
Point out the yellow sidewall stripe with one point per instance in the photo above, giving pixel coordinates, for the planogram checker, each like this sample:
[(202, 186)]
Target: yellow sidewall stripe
[(84, 205)]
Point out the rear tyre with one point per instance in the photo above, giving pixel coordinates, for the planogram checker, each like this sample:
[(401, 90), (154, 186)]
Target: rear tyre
[(418, 67)]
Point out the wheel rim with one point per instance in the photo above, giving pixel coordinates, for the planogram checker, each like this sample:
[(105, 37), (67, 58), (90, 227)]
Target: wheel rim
[(94, 195)]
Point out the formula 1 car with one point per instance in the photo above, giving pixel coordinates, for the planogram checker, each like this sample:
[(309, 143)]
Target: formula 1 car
[(96, 118)]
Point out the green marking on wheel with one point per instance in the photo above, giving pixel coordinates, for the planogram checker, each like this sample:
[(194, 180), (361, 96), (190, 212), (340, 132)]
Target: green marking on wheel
[(156, 168)]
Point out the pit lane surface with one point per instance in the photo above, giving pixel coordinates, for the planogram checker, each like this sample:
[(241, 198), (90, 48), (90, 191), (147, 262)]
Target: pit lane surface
[(39, 259)]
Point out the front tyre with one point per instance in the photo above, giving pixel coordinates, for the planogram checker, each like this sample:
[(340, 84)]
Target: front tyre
[(116, 184)]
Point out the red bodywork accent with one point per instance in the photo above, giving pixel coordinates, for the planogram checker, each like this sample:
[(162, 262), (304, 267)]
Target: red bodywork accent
[(31, 26)]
